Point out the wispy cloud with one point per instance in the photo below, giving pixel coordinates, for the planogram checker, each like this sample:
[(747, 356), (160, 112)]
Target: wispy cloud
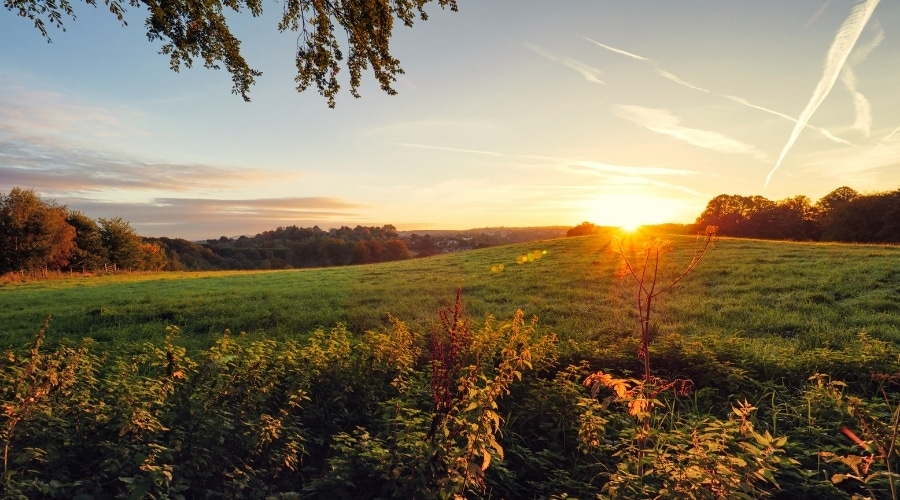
[(624, 175), (837, 55), (663, 122), (568, 162), (447, 148), (864, 168), (587, 71), (57, 146), (196, 218), (55, 166), (818, 13), (739, 100), (26, 112), (267, 206), (633, 170), (825, 133), (889, 136), (615, 175), (679, 81), (617, 51), (861, 105)]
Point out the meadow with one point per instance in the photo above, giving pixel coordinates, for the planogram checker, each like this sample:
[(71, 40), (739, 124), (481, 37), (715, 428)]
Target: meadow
[(776, 297), (797, 340)]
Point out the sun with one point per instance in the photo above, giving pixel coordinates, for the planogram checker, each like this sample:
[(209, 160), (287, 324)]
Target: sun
[(631, 221), (629, 211)]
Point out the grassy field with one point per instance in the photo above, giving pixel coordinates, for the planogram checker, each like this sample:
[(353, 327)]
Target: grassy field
[(774, 296), (798, 341)]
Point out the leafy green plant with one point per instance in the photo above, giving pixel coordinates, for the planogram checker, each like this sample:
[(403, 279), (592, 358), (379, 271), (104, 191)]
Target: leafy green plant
[(663, 454), (879, 424), (37, 393), (439, 434), (471, 371), (673, 456)]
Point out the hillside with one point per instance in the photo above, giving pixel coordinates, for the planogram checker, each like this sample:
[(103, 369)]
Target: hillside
[(773, 366), (779, 293)]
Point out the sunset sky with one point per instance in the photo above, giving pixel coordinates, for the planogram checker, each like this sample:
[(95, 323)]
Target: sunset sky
[(511, 112)]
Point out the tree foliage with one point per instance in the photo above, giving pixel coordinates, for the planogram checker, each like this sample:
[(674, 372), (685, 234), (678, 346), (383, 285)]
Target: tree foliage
[(33, 233), (198, 30), (583, 229), (37, 234), (122, 242), (89, 253), (841, 215)]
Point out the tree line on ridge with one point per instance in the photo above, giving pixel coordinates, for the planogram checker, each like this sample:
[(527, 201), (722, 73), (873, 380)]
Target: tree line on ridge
[(37, 234)]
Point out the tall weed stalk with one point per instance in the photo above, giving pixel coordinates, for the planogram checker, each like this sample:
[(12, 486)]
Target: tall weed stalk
[(670, 455)]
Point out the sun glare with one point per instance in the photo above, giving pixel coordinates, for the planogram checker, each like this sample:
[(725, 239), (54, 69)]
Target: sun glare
[(630, 212)]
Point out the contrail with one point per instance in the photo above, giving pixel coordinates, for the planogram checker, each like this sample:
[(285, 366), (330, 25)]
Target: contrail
[(828, 135), (817, 14), (739, 100), (446, 148), (843, 43), (888, 137), (589, 73), (679, 81), (617, 51), (861, 105)]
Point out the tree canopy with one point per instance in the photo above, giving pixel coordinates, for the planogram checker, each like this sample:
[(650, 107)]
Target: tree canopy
[(39, 234), (841, 215), (192, 30), (33, 233)]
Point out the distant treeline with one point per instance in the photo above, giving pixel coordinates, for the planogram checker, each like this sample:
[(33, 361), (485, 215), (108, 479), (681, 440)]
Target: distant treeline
[(36, 235), (288, 247), (297, 247)]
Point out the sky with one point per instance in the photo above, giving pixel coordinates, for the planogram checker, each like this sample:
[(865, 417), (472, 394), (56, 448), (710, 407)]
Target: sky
[(510, 113)]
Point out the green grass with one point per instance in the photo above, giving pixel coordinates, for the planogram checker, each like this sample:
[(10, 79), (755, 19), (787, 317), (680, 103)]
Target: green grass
[(773, 298)]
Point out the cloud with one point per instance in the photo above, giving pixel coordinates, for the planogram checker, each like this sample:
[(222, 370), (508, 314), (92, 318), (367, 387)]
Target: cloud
[(51, 165), (589, 73), (837, 55), (664, 122), (633, 171), (865, 167), (28, 112), (679, 81), (623, 175), (889, 136), (55, 146), (446, 148), (885, 153), (825, 133), (197, 218), (620, 175), (739, 100), (861, 105), (817, 14), (618, 51)]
